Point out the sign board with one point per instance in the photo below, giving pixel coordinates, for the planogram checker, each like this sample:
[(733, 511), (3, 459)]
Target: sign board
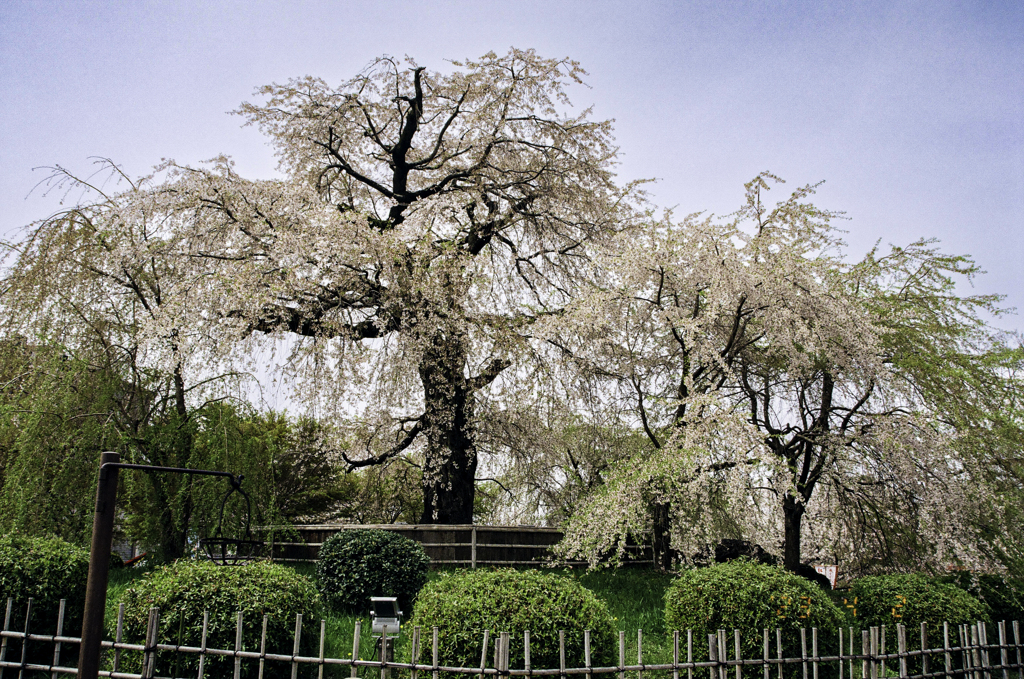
[(829, 572)]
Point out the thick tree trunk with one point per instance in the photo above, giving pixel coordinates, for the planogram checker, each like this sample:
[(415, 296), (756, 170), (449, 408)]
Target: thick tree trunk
[(793, 514), (662, 513), (449, 471)]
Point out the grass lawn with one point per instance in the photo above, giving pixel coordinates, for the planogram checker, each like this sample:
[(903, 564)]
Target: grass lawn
[(635, 598)]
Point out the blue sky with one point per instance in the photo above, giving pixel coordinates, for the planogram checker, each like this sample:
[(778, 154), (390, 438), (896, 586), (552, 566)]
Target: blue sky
[(912, 113)]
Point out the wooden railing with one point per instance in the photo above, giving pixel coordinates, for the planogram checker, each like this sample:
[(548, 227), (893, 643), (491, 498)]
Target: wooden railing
[(462, 545)]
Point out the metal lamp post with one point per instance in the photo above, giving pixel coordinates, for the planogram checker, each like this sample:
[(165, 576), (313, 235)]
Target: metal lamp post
[(99, 555)]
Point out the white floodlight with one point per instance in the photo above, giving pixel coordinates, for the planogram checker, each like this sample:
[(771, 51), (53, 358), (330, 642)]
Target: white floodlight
[(384, 613)]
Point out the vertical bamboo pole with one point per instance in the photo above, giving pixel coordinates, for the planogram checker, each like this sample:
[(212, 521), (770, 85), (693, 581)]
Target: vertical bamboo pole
[(738, 653), (713, 655), (901, 647), (295, 646), (472, 548), (586, 650), (355, 647), (675, 654), (640, 653), (803, 650), (238, 645), (434, 661), (689, 653), (1003, 659), (723, 669), (814, 651), (24, 639), (766, 667), (865, 646), (841, 653), (483, 653), (561, 653), (924, 649), (1017, 645), (202, 644), (622, 655), (7, 627), (414, 653), (526, 654), (881, 651), (778, 649), (60, 633), (149, 654), (263, 647), (945, 645)]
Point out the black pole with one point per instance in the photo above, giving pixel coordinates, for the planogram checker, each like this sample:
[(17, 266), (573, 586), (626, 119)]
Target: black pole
[(99, 567)]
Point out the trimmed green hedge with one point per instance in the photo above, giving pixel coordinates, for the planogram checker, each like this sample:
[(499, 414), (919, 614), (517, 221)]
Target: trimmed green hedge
[(911, 599), (750, 597), (462, 604), (47, 570), (355, 565), (184, 589)]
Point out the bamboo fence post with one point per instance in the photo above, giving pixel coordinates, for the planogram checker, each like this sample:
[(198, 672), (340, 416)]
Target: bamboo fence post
[(723, 650), (7, 626), (483, 653), (639, 653), (323, 641), (766, 667), (505, 653), (586, 651), (901, 647), (414, 654), (24, 639), (689, 653), (561, 653), (814, 651), (263, 647), (924, 649), (434, 657), (526, 654), (60, 633), (238, 645), (675, 654), (149, 654), (1017, 645), (295, 645), (803, 650), (355, 647), (738, 653), (1003, 658), (945, 645), (202, 643), (713, 654), (778, 649), (841, 653), (881, 652), (865, 646)]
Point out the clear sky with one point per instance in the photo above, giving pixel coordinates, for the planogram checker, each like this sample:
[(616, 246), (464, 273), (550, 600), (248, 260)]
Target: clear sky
[(911, 112)]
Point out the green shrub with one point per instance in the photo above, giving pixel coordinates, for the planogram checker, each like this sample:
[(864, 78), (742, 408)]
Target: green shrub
[(911, 599), (184, 589), (116, 561), (750, 597), (463, 604), (355, 565), (1002, 594), (47, 570)]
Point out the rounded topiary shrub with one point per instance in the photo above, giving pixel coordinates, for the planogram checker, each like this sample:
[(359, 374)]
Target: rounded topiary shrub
[(911, 599), (185, 589), (462, 604), (1002, 594), (47, 570), (750, 597), (355, 565)]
